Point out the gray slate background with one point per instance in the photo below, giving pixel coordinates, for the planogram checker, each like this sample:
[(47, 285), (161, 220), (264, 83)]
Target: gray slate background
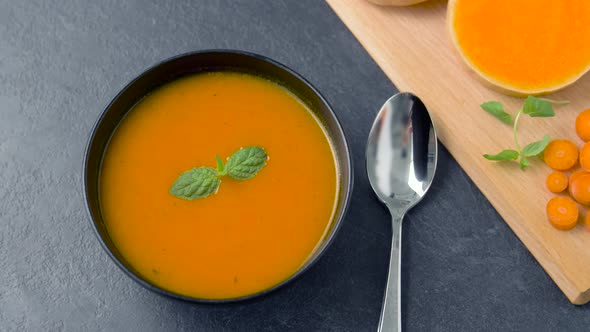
[(62, 61)]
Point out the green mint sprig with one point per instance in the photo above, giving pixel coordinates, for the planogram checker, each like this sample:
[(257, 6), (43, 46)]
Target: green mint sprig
[(201, 182), (533, 107)]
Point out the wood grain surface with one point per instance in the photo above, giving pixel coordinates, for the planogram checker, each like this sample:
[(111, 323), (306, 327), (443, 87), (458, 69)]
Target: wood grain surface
[(412, 46)]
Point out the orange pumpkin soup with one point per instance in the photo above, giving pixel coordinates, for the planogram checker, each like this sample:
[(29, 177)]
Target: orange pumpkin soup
[(250, 235)]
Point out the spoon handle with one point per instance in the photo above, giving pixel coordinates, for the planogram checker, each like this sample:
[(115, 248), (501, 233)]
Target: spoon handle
[(391, 320)]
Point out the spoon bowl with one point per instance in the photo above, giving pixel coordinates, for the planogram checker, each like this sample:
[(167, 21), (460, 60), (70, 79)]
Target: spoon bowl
[(402, 154)]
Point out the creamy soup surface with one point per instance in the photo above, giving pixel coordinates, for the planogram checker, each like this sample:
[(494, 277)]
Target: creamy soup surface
[(251, 234)]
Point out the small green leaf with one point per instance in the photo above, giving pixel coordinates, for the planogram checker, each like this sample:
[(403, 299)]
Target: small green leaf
[(504, 155), (246, 162), (535, 148), (497, 110), (221, 170), (536, 107), (556, 102), (197, 183), (201, 182), (524, 163)]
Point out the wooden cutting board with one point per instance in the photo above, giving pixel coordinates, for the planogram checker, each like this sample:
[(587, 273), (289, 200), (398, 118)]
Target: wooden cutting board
[(412, 46)]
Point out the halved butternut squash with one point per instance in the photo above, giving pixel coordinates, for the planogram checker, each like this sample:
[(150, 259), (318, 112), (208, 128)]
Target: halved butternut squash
[(523, 47)]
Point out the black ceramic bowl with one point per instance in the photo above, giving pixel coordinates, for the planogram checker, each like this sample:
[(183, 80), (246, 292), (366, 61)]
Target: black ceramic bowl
[(192, 63)]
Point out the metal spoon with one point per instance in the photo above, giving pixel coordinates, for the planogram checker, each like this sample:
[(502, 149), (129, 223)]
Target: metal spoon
[(401, 161)]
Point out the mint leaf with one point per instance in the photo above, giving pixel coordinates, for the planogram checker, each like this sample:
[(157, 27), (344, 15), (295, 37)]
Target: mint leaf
[(201, 182), (246, 162), (504, 155), (497, 110), (535, 148), (524, 163), (197, 183), (536, 107), (221, 170)]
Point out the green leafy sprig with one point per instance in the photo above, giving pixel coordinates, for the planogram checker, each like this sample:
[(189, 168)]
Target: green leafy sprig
[(201, 182), (533, 107)]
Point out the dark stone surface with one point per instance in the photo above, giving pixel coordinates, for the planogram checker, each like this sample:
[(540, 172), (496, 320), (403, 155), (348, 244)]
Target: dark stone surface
[(61, 62)]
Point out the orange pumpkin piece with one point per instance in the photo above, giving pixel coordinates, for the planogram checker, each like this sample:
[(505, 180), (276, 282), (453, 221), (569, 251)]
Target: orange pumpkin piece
[(580, 187), (556, 182), (562, 213), (523, 47), (585, 156), (561, 155), (583, 125)]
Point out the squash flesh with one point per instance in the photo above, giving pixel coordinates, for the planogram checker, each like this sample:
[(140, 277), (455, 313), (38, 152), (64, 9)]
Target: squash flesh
[(528, 45)]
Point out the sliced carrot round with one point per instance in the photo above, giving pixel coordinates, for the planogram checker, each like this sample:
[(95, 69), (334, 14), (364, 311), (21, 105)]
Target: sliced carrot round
[(585, 156), (576, 174), (583, 125), (580, 187), (556, 182), (561, 154), (562, 213)]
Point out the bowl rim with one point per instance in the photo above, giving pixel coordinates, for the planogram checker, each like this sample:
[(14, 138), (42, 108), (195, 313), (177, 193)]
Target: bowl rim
[(341, 137)]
